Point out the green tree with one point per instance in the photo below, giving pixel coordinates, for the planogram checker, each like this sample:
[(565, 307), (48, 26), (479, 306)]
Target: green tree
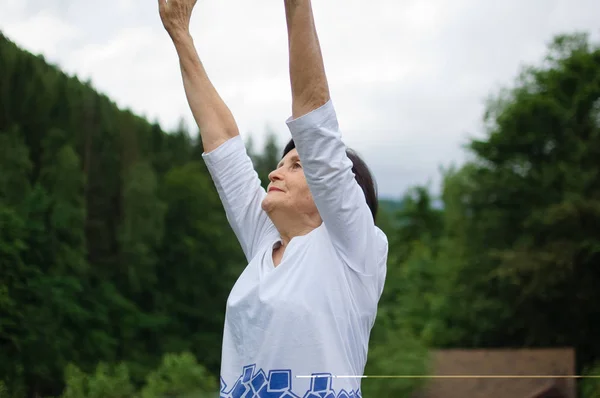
[(520, 218), (14, 272), (180, 376), (200, 260), (142, 228), (83, 232)]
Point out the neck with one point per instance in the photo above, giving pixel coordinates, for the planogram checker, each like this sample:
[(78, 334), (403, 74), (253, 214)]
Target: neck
[(290, 227)]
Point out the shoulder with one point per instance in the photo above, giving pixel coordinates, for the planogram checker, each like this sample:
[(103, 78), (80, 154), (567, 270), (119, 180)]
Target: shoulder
[(373, 254)]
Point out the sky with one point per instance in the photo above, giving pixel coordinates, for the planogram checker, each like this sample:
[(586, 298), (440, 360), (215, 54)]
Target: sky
[(409, 79)]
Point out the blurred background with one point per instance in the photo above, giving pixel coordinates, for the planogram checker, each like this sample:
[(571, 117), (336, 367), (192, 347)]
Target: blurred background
[(479, 120)]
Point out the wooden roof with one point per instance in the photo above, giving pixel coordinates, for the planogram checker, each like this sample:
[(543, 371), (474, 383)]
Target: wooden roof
[(501, 362)]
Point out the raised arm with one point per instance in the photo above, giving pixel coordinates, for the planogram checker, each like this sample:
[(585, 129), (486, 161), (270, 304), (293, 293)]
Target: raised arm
[(338, 196), (307, 71), (214, 119), (225, 155)]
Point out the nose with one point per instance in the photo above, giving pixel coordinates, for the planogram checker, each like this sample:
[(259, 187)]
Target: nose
[(275, 175)]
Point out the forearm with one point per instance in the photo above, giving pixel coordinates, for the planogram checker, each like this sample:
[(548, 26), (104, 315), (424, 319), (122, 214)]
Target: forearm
[(310, 89), (213, 117)]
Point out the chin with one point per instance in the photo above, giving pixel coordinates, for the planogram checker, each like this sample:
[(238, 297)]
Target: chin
[(272, 202), (267, 204)]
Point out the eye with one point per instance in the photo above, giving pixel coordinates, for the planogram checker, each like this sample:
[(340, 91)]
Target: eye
[(297, 165)]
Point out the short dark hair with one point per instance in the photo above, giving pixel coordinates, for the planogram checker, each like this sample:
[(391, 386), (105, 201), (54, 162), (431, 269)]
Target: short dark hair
[(362, 174)]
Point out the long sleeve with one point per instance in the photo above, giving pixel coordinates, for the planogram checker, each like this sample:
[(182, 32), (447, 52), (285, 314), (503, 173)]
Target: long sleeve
[(240, 191), (338, 197)]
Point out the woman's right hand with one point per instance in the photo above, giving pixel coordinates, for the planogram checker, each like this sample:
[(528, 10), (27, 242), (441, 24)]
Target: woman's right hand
[(175, 16)]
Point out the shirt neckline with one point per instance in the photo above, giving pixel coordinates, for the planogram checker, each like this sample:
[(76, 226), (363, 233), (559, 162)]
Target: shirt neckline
[(293, 242)]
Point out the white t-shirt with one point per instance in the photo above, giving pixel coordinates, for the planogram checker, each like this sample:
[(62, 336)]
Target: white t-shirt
[(300, 329)]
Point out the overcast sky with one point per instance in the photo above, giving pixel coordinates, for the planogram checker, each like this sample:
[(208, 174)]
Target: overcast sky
[(408, 78)]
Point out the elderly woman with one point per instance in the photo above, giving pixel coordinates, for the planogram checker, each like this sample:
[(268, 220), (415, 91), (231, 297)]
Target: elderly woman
[(299, 317)]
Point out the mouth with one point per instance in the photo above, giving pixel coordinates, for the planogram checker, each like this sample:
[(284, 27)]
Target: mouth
[(275, 189)]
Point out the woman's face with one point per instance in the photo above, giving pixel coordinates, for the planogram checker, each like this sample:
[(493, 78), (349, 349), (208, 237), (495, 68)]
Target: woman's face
[(288, 189)]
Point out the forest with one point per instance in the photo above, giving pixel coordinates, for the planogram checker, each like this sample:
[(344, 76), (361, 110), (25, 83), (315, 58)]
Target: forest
[(116, 258)]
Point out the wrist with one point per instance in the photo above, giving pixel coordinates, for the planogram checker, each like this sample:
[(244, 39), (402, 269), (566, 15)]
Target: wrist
[(181, 37)]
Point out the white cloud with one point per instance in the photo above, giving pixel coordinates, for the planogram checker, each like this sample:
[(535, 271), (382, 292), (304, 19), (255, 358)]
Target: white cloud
[(42, 32)]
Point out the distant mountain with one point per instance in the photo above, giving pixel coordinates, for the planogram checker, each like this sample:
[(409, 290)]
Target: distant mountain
[(390, 205)]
